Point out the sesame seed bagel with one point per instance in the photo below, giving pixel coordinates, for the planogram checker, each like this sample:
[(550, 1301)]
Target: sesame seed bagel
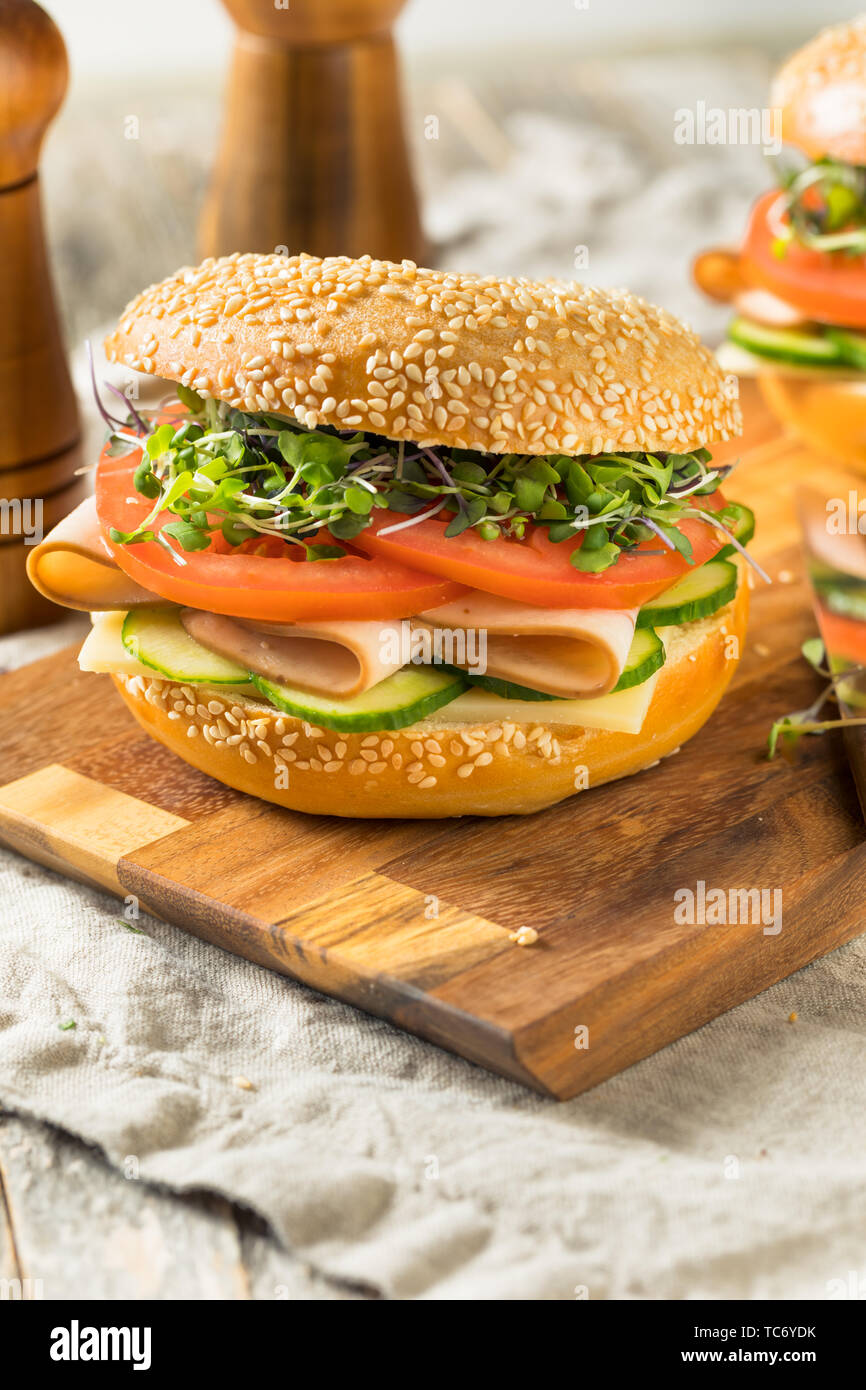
[(821, 91), (435, 769), (431, 356)]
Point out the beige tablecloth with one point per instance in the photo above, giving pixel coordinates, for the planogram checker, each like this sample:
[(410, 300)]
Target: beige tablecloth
[(729, 1165)]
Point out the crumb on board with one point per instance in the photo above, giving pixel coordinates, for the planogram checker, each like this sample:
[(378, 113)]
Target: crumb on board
[(243, 1083), (792, 1017), (524, 936)]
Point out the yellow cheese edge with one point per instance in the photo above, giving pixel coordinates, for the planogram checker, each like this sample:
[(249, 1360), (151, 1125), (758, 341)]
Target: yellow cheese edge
[(622, 712), (103, 651)]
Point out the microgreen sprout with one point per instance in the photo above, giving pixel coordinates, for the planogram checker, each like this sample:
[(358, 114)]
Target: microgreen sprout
[(823, 207), (257, 478), (791, 727)]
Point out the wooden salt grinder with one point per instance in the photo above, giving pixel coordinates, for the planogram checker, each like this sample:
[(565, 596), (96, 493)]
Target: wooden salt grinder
[(39, 429), (313, 154)]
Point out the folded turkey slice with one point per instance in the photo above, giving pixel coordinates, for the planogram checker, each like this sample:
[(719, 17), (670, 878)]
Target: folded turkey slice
[(72, 566), (719, 273), (833, 541), (339, 659), (567, 652)]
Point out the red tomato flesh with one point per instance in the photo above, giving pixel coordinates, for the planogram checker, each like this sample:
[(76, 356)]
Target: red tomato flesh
[(829, 287), (232, 581), (843, 637), (537, 570)]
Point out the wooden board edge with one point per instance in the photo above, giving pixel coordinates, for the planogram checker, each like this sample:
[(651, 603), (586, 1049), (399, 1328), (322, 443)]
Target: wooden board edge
[(375, 992), (715, 981)]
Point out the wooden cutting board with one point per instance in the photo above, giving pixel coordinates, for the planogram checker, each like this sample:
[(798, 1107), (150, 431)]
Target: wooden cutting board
[(413, 920)]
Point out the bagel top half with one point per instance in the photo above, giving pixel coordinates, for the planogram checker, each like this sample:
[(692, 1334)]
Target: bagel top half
[(431, 356), (821, 93)]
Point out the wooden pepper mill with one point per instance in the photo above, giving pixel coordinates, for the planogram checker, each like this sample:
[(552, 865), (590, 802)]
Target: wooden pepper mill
[(39, 429), (313, 154)]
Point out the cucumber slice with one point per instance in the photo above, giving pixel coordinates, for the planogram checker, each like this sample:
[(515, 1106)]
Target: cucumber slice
[(401, 699), (696, 595), (847, 600), (645, 656), (158, 638), (851, 345), (743, 527), (786, 344), (507, 690)]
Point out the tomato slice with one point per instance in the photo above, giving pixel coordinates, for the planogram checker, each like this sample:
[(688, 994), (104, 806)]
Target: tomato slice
[(537, 570), (828, 286), (844, 638), (243, 585)]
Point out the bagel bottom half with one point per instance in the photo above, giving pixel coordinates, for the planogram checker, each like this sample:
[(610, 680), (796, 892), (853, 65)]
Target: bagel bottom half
[(434, 769)]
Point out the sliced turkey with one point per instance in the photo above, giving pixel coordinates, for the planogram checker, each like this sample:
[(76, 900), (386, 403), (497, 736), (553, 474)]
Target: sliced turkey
[(571, 653), (72, 566), (339, 659)]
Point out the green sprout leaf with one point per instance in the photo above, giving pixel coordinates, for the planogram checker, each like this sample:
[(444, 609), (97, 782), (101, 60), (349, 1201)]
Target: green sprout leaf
[(191, 399), (814, 652), (246, 475)]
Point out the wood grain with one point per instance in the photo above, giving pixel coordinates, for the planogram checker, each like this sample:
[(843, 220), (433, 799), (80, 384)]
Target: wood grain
[(413, 921), (56, 816), (313, 154), (37, 402)]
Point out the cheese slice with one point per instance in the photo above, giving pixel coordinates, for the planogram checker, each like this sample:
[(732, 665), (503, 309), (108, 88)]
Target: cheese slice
[(72, 566), (622, 711), (572, 653), (103, 650)]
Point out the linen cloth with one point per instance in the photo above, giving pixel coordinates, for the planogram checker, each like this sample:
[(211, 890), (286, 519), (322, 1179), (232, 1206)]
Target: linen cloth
[(728, 1165)]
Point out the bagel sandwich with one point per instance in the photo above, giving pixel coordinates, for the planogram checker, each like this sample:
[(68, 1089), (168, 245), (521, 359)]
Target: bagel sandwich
[(399, 542), (797, 283)]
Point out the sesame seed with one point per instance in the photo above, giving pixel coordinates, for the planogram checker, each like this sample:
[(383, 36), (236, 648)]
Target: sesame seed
[(524, 936), (528, 401)]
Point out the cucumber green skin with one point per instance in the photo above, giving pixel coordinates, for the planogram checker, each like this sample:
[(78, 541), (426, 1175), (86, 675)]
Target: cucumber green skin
[(848, 601), (507, 689), (634, 675), (743, 528), (132, 642), (669, 614), (786, 344), (647, 666), (851, 345), (359, 721), (831, 347)]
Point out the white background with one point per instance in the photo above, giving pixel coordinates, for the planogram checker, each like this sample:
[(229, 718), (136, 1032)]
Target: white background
[(174, 33)]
